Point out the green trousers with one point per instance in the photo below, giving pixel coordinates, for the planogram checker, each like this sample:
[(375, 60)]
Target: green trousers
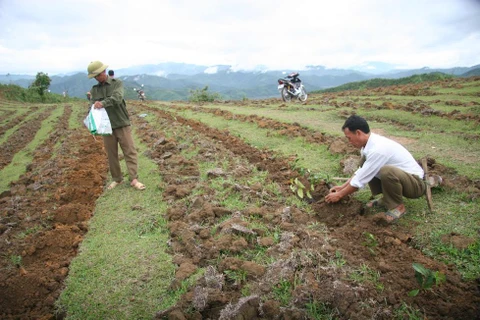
[(123, 137), (396, 184)]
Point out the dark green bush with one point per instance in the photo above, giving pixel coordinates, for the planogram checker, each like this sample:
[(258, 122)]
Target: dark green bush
[(202, 95), (17, 93)]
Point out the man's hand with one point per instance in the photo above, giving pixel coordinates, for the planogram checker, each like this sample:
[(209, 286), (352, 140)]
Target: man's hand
[(98, 105), (336, 189), (338, 192), (334, 195)]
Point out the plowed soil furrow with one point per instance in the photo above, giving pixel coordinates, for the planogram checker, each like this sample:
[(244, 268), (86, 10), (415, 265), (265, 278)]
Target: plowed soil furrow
[(340, 145), (43, 219), (416, 106), (265, 160), (304, 255), (193, 241), (267, 103), (13, 103), (392, 255), (425, 110), (290, 130), (414, 89), (5, 115), (20, 138), (313, 136), (326, 257), (15, 121)]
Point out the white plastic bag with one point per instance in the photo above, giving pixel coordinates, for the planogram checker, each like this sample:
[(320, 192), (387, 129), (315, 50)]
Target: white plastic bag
[(97, 122)]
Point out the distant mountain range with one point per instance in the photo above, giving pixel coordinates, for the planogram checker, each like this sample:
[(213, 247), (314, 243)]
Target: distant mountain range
[(174, 81)]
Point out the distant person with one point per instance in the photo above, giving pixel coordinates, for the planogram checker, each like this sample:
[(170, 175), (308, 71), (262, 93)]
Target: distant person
[(387, 167), (111, 74), (108, 93), (89, 95)]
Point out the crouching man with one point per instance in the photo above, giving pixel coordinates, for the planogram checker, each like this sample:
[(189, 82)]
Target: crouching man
[(387, 167)]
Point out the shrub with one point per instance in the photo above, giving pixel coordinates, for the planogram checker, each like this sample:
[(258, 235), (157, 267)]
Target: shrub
[(202, 95), (41, 84), (17, 93)]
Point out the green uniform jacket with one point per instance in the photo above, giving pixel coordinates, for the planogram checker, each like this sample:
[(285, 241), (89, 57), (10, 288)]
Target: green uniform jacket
[(110, 93)]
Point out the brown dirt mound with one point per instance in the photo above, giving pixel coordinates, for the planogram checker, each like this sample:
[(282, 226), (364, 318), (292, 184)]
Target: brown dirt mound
[(302, 255), (44, 215), (43, 219)]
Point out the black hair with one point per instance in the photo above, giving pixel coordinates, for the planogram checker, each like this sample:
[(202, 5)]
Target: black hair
[(354, 123), (110, 72)]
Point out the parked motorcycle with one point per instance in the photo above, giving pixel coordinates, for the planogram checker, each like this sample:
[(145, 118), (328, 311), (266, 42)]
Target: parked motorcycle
[(141, 94), (291, 87)]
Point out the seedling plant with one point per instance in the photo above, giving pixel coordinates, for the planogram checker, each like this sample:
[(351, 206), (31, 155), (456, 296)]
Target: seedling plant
[(426, 278)]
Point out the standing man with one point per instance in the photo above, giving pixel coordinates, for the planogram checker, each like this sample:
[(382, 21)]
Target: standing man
[(111, 74), (108, 93), (387, 167)]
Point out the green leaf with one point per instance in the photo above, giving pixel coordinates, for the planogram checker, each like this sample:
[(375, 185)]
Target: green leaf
[(413, 293), (370, 236), (419, 278), (421, 269), (309, 195), (429, 281), (300, 193), (299, 183)]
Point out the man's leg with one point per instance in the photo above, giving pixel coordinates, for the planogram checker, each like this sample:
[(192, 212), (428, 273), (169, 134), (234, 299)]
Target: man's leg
[(397, 184), (129, 151), (111, 148), (375, 186)]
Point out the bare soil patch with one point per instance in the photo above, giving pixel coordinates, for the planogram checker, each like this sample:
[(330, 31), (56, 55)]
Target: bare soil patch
[(20, 138), (43, 219), (301, 256)]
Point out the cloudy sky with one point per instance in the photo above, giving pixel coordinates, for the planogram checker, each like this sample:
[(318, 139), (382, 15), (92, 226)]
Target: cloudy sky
[(64, 36)]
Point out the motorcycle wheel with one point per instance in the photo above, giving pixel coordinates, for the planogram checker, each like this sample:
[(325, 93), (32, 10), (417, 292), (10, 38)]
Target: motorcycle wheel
[(285, 95), (303, 95)]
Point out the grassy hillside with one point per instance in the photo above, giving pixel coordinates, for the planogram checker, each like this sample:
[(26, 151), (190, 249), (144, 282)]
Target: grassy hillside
[(379, 82), (471, 73), (237, 85), (17, 93)]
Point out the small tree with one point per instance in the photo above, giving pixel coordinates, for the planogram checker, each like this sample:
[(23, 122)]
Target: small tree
[(202, 95), (41, 84)]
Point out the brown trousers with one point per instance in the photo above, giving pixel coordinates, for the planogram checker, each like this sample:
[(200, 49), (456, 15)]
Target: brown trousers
[(396, 184), (123, 137)]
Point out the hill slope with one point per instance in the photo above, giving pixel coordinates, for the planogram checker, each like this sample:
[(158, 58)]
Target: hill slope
[(379, 82), (174, 81)]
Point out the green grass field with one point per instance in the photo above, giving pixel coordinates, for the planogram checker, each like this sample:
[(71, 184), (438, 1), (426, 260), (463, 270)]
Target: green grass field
[(125, 265)]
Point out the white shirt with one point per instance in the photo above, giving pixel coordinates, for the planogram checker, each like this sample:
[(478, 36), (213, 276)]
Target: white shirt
[(381, 151)]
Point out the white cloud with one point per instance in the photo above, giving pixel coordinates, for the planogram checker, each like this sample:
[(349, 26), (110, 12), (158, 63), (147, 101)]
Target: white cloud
[(211, 70), (65, 36)]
